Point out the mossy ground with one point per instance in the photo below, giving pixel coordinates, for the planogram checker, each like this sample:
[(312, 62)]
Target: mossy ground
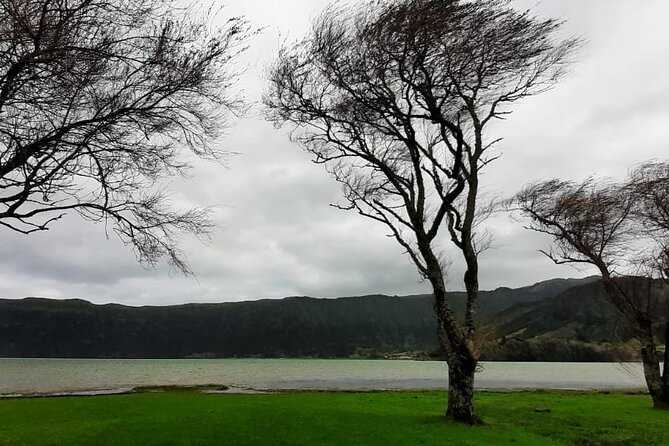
[(326, 418)]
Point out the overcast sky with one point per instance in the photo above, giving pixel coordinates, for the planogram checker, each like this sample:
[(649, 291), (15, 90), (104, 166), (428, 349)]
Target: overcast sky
[(278, 235)]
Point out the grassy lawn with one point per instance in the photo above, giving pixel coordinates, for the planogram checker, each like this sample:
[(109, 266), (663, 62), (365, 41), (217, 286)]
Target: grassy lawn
[(384, 418)]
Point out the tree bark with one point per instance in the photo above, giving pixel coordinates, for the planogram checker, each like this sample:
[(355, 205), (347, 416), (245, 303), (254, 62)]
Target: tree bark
[(665, 368), (461, 369), (459, 356), (471, 276), (656, 382), (463, 355)]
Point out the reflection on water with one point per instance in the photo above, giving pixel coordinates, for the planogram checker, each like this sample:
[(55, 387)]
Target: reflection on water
[(65, 375)]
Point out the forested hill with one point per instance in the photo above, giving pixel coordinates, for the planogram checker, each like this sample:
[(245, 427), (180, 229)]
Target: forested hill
[(296, 326)]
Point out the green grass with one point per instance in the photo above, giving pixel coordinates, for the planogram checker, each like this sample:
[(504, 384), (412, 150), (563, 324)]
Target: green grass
[(313, 418)]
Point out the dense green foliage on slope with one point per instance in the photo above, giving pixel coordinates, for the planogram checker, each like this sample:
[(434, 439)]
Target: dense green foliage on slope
[(383, 418), (559, 319)]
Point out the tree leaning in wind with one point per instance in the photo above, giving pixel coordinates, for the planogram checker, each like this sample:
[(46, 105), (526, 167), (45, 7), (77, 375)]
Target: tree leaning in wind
[(622, 229), (394, 98), (98, 99)]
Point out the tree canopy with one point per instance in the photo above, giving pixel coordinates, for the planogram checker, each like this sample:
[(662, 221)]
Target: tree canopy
[(393, 98), (621, 228), (98, 99)]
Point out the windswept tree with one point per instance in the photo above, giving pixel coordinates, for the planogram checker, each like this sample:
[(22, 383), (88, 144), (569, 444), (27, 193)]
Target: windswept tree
[(623, 230), (395, 98), (100, 100), (649, 184)]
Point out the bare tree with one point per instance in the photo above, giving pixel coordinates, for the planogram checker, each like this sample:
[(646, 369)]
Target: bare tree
[(97, 100), (649, 185), (619, 228), (394, 98)]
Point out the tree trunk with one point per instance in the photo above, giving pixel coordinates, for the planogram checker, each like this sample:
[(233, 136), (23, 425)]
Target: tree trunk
[(463, 356), (456, 337), (461, 361), (461, 364), (461, 368), (657, 383), (665, 368)]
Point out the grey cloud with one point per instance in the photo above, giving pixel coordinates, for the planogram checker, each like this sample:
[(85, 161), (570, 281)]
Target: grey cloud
[(72, 251), (278, 235)]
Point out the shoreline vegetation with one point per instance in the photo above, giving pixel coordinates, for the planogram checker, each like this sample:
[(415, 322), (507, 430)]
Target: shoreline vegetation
[(174, 415), (528, 350)]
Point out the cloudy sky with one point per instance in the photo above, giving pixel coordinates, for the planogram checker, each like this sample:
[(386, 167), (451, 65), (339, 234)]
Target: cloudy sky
[(278, 235)]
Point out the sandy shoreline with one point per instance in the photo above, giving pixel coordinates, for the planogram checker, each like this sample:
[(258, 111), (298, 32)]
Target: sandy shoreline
[(214, 389)]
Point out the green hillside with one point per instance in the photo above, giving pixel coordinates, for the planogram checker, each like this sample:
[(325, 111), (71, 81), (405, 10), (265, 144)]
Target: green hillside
[(569, 317)]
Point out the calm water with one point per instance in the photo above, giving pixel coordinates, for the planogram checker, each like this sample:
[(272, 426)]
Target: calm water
[(67, 375)]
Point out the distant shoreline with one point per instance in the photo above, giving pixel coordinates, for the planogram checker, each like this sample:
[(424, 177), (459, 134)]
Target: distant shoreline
[(248, 391)]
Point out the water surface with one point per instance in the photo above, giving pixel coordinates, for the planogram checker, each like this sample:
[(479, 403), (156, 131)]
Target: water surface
[(19, 376)]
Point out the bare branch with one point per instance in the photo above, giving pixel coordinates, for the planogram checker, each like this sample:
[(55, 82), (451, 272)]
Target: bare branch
[(393, 97), (98, 101)]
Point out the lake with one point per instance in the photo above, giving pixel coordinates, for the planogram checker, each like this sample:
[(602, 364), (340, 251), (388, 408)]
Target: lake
[(19, 376)]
